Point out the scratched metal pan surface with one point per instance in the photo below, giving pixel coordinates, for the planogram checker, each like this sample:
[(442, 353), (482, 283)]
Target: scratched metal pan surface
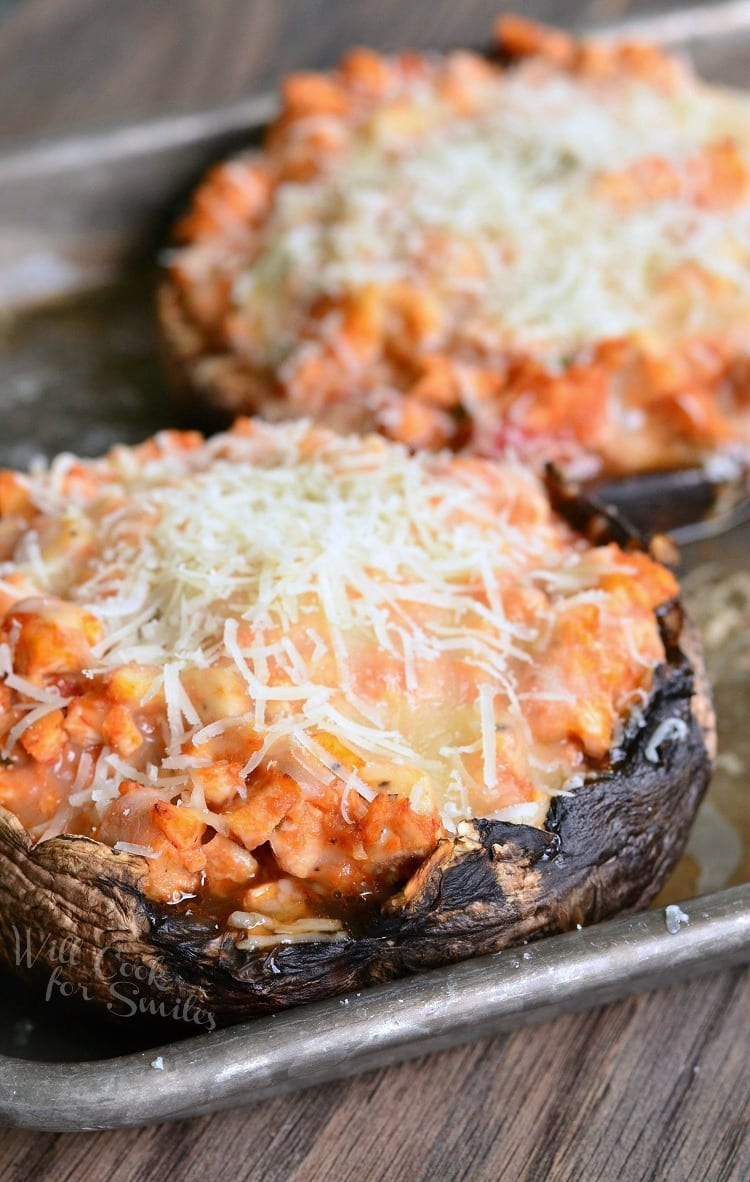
[(80, 221)]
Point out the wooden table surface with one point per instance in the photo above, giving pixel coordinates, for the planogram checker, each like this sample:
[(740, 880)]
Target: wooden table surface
[(656, 1087)]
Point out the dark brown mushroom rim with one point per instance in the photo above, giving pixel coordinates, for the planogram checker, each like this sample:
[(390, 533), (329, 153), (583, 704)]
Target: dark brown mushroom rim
[(689, 503), (73, 916)]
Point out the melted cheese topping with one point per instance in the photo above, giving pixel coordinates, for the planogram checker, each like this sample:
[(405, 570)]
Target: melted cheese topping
[(555, 259), (187, 619), (505, 215)]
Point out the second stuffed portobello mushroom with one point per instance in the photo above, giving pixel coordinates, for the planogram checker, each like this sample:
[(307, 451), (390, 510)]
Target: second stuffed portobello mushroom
[(545, 249), (286, 713)]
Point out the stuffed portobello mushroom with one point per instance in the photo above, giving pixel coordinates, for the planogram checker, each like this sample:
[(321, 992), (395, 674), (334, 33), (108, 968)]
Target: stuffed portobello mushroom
[(547, 252), (285, 713)]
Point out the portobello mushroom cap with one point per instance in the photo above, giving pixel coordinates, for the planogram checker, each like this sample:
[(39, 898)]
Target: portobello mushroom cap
[(691, 490), (74, 907)]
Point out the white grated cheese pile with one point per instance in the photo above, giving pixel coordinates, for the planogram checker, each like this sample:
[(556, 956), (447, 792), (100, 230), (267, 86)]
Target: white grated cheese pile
[(514, 186), (356, 590)]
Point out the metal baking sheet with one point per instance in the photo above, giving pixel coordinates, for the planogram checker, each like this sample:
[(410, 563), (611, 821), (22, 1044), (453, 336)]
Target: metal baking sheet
[(80, 221)]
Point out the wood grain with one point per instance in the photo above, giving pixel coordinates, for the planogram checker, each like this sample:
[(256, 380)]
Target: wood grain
[(654, 1089), (68, 64)]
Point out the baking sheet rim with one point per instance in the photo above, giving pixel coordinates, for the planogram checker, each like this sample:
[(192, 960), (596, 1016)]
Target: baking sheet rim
[(382, 1025)]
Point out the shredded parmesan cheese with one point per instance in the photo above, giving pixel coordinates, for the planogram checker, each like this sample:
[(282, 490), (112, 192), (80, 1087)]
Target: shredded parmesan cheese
[(336, 611), (671, 730), (504, 213), (129, 847)]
